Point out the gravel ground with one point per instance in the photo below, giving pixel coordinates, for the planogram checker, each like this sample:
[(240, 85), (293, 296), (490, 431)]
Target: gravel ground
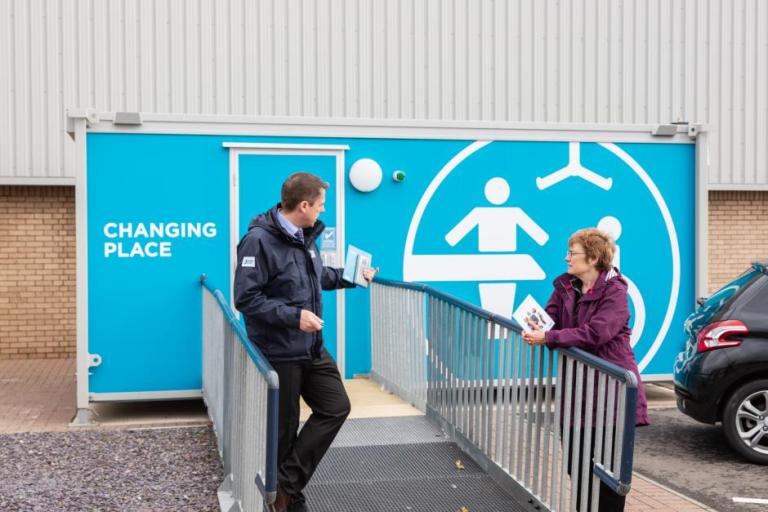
[(101, 470)]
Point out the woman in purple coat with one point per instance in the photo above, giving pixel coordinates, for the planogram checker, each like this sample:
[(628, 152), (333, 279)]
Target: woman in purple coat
[(591, 312)]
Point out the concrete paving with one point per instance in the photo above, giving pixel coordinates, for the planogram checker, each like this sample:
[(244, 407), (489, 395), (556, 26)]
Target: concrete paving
[(695, 458), (39, 396)]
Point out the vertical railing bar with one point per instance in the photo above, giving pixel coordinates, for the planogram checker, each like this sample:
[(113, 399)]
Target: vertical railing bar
[(469, 391), (577, 432), (436, 347), (453, 378), (385, 334), (485, 387), (487, 382), (374, 324), (407, 330), (384, 337), (378, 313), (477, 365), (531, 400), (514, 398), (522, 420), (435, 379), (491, 383), (446, 361), (459, 361), (433, 347), (616, 467), (418, 351), (585, 478), (397, 338), (417, 346), (391, 305), (547, 427), (482, 371), (498, 452), (599, 434), (567, 449), (426, 342), (610, 418), (471, 362), (455, 371), (442, 358), (537, 437), (430, 335), (417, 342), (470, 319), (444, 340), (405, 335), (505, 400)]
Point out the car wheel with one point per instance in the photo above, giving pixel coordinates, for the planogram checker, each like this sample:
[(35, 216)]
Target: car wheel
[(745, 420)]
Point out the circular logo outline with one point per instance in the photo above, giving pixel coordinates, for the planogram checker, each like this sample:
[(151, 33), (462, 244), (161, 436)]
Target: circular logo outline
[(624, 157)]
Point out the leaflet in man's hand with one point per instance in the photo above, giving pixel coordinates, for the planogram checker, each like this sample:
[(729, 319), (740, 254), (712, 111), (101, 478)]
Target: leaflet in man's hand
[(357, 261), (531, 316)]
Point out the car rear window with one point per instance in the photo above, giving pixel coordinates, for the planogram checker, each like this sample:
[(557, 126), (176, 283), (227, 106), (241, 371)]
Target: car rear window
[(731, 290), (731, 295), (751, 304), (713, 307)]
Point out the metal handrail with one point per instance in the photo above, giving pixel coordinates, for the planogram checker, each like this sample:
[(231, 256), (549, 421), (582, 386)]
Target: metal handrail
[(577, 353), (268, 486), (457, 385), (261, 362)]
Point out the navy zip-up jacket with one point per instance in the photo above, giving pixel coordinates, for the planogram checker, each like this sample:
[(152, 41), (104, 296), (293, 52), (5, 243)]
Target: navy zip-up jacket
[(276, 277)]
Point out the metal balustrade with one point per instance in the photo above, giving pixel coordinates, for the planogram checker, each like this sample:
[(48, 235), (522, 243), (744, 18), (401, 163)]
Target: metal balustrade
[(527, 415), (240, 389)]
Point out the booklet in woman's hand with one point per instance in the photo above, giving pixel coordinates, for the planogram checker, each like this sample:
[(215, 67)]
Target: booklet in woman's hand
[(531, 316)]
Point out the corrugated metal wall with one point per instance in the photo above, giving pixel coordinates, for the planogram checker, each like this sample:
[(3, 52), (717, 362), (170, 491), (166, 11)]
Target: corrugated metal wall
[(593, 61)]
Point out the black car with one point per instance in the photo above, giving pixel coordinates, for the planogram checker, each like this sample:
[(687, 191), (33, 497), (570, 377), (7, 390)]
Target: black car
[(722, 375)]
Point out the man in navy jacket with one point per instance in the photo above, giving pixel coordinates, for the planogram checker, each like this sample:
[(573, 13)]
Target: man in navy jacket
[(278, 285)]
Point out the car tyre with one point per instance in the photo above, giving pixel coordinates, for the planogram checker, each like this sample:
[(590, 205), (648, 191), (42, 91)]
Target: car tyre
[(745, 420)]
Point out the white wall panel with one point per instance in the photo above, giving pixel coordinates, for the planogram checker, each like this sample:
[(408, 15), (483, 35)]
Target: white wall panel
[(542, 61)]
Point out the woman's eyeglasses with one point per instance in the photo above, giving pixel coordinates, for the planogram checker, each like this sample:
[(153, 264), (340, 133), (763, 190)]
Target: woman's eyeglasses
[(571, 254)]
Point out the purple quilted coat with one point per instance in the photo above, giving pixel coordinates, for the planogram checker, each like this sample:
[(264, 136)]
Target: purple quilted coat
[(601, 327)]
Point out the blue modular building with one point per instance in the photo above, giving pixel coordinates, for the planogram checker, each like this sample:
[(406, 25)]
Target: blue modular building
[(484, 213)]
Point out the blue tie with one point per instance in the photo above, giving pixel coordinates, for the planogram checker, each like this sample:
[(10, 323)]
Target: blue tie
[(299, 235)]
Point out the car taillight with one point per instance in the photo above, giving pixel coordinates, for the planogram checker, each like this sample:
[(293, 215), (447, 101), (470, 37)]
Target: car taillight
[(716, 335)]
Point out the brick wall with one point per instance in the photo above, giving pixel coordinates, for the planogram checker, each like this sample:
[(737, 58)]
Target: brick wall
[(738, 234), (37, 272), (37, 261)]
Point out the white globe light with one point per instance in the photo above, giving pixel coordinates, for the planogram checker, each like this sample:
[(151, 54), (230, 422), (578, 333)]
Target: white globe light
[(365, 175)]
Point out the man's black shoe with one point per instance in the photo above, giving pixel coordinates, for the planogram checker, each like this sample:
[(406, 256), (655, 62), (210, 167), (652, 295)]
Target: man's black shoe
[(298, 503), (282, 501), (298, 506)]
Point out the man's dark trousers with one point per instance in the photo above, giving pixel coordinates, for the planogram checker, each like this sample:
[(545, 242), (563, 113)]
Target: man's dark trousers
[(319, 383)]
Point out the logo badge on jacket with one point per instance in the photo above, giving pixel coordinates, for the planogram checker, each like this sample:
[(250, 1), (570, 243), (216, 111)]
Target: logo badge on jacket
[(249, 261)]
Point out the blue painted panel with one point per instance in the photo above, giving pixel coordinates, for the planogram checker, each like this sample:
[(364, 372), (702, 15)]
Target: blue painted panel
[(145, 312), (142, 307)]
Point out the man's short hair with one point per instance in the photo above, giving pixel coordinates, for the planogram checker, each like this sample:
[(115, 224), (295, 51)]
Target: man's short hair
[(597, 245), (301, 186)]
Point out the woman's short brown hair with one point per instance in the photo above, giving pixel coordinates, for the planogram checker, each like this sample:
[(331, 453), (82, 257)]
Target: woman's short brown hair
[(597, 245), (301, 186)]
